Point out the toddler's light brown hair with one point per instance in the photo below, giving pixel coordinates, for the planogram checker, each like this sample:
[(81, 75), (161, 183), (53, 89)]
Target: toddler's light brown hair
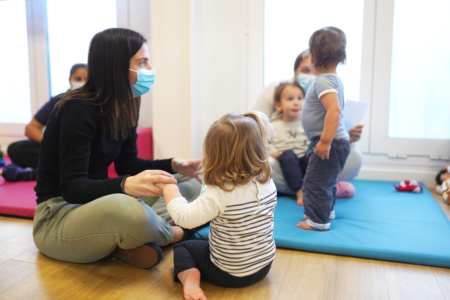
[(234, 150)]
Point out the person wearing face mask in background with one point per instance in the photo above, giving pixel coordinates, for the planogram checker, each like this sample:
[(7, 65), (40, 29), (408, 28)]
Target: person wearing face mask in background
[(24, 155), (83, 216), (265, 103)]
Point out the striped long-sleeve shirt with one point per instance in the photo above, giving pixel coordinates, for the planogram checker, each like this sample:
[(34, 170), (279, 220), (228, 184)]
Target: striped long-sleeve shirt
[(241, 233)]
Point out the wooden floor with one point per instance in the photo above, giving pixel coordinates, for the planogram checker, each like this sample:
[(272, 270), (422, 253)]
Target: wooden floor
[(27, 274)]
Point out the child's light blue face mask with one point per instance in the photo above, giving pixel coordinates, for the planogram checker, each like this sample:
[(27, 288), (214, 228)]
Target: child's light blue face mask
[(305, 80), (144, 83)]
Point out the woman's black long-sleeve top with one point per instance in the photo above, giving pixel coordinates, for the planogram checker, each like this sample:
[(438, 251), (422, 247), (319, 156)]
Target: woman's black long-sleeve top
[(75, 154)]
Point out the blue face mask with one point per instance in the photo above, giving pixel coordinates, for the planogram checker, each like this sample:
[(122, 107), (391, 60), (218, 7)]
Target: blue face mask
[(144, 83), (305, 80)]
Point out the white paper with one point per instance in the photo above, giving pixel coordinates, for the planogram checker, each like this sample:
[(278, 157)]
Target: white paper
[(353, 113)]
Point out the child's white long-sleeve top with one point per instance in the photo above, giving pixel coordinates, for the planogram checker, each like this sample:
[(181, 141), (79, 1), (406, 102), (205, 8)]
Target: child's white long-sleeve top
[(289, 136), (241, 233)]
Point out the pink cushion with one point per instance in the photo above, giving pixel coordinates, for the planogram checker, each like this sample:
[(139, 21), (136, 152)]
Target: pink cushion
[(144, 144), (19, 198)]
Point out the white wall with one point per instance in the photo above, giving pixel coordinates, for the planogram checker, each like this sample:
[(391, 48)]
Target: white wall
[(139, 19), (219, 67), (192, 91), (171, 48)]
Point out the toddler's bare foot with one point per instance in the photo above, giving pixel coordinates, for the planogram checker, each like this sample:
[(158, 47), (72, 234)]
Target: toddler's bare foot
[(191, 285), (305, 226), (299, 197)]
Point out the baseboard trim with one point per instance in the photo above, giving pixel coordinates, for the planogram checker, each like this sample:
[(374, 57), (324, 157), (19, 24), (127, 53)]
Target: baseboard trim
[(397, 174)]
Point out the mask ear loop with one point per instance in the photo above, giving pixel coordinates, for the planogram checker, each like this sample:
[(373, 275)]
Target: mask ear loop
[(152, 69)]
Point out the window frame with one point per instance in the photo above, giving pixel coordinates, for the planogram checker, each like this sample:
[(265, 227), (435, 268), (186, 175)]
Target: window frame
[(380, 143), (36, 16)]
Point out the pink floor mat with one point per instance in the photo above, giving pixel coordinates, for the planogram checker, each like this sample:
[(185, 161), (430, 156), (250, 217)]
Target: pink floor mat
[(17, 198)]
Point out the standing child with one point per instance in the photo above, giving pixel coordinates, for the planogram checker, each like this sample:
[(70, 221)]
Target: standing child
[(239, 198), (322, 122), (291, 143)]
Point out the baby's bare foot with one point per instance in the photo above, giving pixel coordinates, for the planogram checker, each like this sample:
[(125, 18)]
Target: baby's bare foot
[(299, 198), (191, 284), (193, 292), (305, 226)]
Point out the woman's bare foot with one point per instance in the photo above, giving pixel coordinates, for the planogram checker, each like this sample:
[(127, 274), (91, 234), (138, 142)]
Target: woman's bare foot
[(305, 226), (299, 197), (191, 284)]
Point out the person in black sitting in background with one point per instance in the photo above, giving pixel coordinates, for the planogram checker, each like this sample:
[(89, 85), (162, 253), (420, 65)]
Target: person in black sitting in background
[(24, 155)]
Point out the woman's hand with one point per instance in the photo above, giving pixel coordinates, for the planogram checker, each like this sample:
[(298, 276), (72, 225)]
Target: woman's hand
[(188, 167), (322, 150), (144, 183), (171, 191), (276, 155), (355, 133)]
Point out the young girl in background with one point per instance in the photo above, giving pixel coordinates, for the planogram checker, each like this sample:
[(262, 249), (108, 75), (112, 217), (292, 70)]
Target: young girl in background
[(239, 199), (290, 144), (322, 121)]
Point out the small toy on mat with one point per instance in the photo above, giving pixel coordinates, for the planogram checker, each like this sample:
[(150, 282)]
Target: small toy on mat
[(445, 188), (345, 189), (442, 176), (2, 160), (408, 186)]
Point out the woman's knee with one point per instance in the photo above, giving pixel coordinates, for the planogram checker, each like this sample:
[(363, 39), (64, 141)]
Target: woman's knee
[(121, 209), (352, 165), (189, 188)]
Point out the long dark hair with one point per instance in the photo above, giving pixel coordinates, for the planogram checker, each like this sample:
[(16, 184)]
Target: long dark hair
[(108, 84)]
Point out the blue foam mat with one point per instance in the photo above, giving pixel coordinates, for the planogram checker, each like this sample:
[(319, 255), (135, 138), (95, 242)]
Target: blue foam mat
[(378, 223)]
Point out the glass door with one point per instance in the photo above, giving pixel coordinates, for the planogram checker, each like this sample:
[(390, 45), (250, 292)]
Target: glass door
[(289, 24), (411, 105), (71, 25), (15, 105)]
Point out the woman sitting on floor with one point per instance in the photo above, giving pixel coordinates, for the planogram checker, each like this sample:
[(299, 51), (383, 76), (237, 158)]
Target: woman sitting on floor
[(82, 216)]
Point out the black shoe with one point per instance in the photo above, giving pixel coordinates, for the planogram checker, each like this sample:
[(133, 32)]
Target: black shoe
[(144, 257), (189, 234), (15, 173)]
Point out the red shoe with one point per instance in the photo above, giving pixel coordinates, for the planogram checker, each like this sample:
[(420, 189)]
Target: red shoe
[(409, 186)]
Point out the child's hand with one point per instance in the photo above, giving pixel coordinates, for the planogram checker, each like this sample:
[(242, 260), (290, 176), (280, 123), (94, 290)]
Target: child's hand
[(322, 150), (276, 155), (161, 185)]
